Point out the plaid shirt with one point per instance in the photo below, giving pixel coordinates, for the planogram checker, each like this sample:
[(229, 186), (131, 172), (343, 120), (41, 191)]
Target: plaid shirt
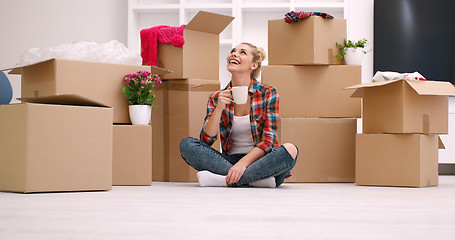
[(264, 115)]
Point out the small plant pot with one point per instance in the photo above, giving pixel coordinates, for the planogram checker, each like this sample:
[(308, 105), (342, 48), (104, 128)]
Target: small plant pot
[(140, 114), (354, 56)]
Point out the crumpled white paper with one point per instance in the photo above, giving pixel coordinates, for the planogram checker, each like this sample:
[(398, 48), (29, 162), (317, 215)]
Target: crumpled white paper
[(384, 76), (109, 52)]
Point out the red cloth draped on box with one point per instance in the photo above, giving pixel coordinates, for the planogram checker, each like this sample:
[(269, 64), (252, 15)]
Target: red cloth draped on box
[(163, 34)]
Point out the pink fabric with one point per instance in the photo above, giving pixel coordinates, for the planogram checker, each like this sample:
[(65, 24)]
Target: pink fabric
[(163, 34)]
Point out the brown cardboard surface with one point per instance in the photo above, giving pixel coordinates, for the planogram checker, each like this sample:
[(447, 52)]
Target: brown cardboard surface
[(53, 148), (326, 148), (199, 56), (409, 160), (180, 113), (308, 42), (101, 82), (132, 155), (405, 106), (315, 91)]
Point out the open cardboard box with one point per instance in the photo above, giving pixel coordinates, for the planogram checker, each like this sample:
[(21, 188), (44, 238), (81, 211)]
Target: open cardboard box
[(327, 148), (102, 82), (405, 106), (315, 91), (182, 106), (310, 41), (132, 155), (55, 144), (199, 56), (408, 160)]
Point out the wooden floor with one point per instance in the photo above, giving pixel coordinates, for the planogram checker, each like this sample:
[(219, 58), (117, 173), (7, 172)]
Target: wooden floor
[(186, 211)]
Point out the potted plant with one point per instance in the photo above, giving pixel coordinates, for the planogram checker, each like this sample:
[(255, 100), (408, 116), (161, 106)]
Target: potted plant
[(138, 90), (352, 51)]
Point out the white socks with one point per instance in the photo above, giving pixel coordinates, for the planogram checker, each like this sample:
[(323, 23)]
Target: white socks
[(209, 179), (264, 183)]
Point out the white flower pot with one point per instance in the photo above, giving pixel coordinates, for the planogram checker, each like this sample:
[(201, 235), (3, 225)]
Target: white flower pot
[(354, 56), (140, 114)]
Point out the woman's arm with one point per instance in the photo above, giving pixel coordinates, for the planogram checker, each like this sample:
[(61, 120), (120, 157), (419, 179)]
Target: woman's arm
[(212, 125)]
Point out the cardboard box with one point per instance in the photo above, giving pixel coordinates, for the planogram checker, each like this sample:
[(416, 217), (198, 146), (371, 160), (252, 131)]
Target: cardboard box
[(308, 42), (409, 160), (180, 113), (50, 145), (132, 155), (315, 91), (326, 148), (401, 106), (199, 56), (102, 82)]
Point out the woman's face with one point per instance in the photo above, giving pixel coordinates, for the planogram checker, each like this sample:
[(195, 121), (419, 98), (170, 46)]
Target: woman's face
[(240, 60)]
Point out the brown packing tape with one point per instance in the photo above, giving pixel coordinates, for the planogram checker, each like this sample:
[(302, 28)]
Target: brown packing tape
[(166, 133), (426, 124)]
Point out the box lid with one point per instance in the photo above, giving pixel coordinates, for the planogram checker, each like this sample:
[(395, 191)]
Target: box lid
[(16, 69), (209, 22), (438, 88), (63, 99)]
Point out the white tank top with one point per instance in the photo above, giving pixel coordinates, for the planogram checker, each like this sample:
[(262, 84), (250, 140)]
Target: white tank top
[(242, 140)]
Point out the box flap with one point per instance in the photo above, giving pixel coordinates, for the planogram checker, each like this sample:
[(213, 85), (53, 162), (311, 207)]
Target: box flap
[(16, 69), (358, 92), (371, 84), (209, 22), (440, 143), (63, 99), (159, 71), (439, 88)]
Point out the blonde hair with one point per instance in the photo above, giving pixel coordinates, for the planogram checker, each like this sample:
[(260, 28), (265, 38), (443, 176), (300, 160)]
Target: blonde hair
[(258, 56)]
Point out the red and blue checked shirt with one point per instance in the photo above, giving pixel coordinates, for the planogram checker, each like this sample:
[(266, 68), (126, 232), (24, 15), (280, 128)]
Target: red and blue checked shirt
[(264, 117)]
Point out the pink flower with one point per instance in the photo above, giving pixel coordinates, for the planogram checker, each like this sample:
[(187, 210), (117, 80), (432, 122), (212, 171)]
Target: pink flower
[(138, 92)]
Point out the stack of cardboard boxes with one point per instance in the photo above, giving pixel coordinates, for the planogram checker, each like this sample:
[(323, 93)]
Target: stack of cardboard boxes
[(401, 120), (183, 96), (316, 114), (61, 137)]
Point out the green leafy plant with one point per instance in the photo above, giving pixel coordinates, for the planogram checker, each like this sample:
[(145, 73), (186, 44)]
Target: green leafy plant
[(351, 44), (139, 86)]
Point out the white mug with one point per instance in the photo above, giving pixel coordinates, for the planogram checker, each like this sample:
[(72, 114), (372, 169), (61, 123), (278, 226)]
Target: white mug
[(240, 94)]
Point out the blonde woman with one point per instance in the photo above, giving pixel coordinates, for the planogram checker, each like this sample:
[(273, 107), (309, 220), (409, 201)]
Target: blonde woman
[(251, 155)]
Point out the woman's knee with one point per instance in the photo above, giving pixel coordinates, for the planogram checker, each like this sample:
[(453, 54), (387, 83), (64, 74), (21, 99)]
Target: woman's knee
[(186, 144), (292, 149)]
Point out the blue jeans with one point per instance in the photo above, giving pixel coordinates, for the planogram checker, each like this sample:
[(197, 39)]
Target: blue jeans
[(199, 155)]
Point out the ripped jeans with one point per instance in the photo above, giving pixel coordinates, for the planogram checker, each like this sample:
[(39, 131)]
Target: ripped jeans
[(278, 163)]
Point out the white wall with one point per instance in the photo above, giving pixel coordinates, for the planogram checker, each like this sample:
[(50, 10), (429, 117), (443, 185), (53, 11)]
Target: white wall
[(42, 23), (360, 25)]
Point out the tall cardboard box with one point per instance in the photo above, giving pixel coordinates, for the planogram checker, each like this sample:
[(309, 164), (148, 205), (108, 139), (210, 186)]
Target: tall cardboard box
[(310, 41), (315, 91), (405, 106), (409, 160), (199, 56), (55, 144), (180, 113), (132, 155), (326, 148), (102, 82)]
